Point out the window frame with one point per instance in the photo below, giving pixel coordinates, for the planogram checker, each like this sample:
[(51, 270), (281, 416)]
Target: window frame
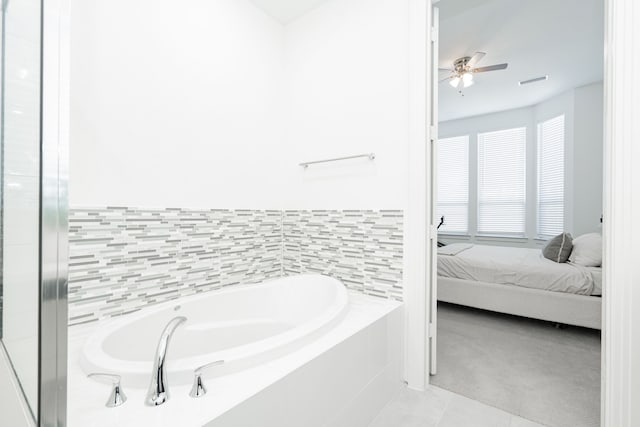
[(467, 203), (503, 234)]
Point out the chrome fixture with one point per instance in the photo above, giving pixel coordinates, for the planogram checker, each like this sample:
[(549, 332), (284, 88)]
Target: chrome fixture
[(370, 156), (158, 389), (117, 396), (198, 389)]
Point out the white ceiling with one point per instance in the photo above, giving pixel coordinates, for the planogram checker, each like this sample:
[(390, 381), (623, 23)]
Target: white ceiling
[(561, 38), (286, 11)]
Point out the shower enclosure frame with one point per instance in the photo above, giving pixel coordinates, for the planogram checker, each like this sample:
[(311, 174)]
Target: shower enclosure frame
[(54, 208)]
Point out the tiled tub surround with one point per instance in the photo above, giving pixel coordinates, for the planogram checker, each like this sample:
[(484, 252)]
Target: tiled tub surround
[(361, 248), (124, 259)]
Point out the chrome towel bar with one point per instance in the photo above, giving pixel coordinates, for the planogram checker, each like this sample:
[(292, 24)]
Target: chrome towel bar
[(370, 156)]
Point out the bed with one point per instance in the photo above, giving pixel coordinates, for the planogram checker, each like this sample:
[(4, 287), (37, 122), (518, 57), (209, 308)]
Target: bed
[(520, 281)]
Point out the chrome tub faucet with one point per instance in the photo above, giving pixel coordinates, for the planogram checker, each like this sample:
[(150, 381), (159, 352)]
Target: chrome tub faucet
[(158, 389)]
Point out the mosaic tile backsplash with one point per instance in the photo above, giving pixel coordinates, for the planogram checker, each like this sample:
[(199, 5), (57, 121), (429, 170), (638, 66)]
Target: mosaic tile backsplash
[(361, 248), (125, 259)]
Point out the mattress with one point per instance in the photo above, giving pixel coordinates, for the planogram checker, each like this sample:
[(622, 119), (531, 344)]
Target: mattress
[(524, 267)]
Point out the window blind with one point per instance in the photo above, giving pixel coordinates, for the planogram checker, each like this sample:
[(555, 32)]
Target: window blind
[(453, 184), (502, 182), (550, 209)]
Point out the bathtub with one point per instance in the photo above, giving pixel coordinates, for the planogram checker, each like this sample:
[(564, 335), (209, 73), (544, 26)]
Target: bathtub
[(244, 326)]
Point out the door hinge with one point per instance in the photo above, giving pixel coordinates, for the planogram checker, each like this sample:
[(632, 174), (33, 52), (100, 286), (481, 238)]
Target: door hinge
[(430, 331), (433, 133), (434, 34), (433, 232)]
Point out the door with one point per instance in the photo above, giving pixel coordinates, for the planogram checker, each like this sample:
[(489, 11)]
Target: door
[(432, 188), (20, 196)]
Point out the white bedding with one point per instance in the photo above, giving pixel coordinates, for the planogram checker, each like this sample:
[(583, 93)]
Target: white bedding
[(596, 273), (515, 266)]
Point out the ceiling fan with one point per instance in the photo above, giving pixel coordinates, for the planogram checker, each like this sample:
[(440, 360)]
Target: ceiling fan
[(464, 69)]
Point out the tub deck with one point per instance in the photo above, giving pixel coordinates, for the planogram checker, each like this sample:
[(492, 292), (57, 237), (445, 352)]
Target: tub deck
[(87, 398)]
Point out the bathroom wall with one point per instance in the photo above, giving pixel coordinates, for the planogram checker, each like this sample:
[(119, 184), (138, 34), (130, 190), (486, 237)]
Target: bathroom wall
[(123, 260), (208, 116), (175, 106), (348, 93), (362, 248), (188, 119)]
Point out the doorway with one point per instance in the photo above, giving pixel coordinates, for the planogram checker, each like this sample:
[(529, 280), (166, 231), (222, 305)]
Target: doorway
[(509, 181)]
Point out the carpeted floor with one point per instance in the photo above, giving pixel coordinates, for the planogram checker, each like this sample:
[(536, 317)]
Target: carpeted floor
[(523, 366)]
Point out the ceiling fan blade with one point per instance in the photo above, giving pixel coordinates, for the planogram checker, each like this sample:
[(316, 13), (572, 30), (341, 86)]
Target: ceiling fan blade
[(445, 79), (476, 58), (490, 68), (445, 69)]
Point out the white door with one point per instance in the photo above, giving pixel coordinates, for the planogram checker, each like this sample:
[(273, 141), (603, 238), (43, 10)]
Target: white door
[(433, 190)]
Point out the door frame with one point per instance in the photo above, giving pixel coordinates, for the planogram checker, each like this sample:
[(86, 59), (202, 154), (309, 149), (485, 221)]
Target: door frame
[(416, 289), (621, 306), (54, 208), (621, 206)]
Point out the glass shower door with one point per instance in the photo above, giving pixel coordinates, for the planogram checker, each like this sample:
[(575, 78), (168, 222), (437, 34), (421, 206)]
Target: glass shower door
[(20, 218)]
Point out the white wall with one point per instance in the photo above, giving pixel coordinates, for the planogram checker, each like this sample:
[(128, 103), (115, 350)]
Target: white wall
[(584, 119), (588, 158), (175, 106), (582, 108), (348, 93), (215, 104)]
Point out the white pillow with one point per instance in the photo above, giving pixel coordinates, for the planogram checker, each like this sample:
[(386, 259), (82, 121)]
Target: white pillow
[(587, 250)]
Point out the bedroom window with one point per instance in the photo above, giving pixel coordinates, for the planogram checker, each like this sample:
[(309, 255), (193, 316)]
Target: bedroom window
[(551, 177), (502, 182), (453, 184)]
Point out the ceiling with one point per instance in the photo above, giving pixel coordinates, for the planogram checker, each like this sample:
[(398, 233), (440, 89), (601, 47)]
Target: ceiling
[(286, 11), (560, 38)]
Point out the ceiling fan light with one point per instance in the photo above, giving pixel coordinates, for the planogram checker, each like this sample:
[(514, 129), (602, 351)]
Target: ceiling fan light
[(467, 79), (454, 82)]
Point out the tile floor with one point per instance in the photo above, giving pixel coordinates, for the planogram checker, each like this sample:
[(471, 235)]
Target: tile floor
[(437, 407)]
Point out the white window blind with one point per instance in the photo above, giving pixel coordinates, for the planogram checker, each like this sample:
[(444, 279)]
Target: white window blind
[(453, 184), (502, 182), (551, 177)]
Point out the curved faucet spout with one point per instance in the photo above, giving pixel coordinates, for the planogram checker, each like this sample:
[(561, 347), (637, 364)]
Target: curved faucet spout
[(158, 389)]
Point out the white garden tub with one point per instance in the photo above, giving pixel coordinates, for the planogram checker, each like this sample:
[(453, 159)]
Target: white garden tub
[(243, 325)]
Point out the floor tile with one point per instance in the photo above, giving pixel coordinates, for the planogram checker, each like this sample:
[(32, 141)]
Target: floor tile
[(413, 408), (437, 407), (465, 412)]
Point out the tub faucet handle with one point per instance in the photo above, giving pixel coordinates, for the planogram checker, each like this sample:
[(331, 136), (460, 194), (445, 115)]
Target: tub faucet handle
[(198, 389), (117, 396)]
